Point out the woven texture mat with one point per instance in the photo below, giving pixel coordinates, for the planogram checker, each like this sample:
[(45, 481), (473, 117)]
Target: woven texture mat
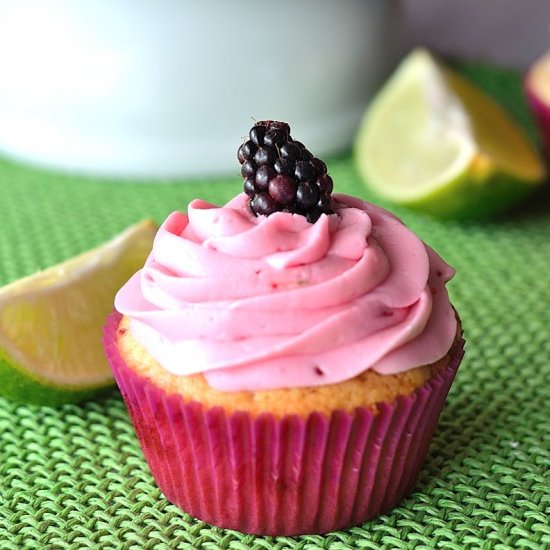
[(75, 477)]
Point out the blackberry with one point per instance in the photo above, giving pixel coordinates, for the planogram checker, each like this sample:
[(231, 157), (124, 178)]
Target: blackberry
[(264, 175), (246, 151), (248, 169), (307, 195), (284, 167), (262, 203), (264, 155), (283, 189), (249, 187), (282, 175), (304, 171), (290, 151)]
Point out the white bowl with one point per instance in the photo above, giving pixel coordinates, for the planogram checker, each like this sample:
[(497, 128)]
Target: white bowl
[(145, 88)]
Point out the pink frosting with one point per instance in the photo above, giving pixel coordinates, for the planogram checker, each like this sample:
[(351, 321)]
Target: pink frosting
[(270, 302)]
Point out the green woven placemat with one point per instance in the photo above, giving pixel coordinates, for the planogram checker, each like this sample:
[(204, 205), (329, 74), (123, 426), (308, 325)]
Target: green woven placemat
[(75, 477)]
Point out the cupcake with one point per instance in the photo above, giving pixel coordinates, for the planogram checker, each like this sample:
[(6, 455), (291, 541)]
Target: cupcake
[(284, 358)]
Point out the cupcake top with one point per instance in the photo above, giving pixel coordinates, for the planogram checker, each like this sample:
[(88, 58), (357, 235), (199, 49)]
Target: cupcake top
[(259, 302)]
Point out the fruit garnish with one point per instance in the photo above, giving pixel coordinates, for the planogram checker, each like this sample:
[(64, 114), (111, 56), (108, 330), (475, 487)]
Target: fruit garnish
[(537, 90), (434, 142), (51, 322), (281, 175)]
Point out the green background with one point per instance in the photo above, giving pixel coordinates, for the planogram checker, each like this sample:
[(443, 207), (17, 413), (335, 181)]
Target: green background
[(74, 477)]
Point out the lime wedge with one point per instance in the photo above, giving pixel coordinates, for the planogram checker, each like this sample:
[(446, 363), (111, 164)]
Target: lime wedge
[(433, 141), (51, 322)]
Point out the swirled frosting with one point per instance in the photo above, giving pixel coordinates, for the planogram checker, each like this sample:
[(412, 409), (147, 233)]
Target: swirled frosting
[(270, 302)]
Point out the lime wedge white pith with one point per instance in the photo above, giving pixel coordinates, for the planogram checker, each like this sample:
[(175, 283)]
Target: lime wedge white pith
[(433, 141), (51, 322)]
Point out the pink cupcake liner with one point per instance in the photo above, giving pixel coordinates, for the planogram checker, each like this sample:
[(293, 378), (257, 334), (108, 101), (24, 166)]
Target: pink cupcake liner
[(541, 113), (285, 476)]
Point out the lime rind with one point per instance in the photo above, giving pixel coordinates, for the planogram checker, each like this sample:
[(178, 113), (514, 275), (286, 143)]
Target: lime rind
[(16, 358), (472, 196), (20, 386)]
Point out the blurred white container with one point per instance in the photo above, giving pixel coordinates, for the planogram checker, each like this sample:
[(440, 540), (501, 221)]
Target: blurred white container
[(160, 88)]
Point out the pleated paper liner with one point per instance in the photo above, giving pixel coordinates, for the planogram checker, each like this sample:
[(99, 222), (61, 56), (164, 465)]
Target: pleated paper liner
[(287, 476)]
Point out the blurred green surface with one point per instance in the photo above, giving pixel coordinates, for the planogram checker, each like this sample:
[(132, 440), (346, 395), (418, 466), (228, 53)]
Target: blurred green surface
[(75, 477)]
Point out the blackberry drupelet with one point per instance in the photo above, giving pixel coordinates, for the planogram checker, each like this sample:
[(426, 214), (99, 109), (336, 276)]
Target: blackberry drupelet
[(281, 175)]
